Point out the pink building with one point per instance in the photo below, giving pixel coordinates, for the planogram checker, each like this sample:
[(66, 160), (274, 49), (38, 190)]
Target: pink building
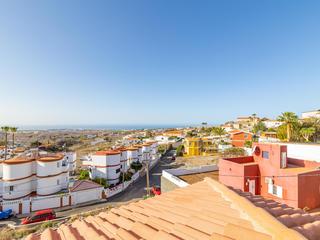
[(268, 172)]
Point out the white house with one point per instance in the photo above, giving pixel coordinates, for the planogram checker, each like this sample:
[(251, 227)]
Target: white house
[(37, 175), (272, 123), (310, 114), (105, 164), (139, 147), (71, 158)]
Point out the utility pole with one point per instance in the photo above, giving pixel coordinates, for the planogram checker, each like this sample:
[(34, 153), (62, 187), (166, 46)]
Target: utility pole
[(147, 175)]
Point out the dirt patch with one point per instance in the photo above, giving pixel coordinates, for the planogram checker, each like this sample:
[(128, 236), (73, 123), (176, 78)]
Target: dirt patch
[(198, 177), (197, 161)]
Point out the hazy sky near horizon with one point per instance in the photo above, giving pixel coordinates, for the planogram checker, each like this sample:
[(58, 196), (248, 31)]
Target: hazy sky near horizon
[(156, 62)]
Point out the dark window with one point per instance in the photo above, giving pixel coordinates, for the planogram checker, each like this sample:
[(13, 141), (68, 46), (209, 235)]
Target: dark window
[(265, 154), (118, 170), (11, 188)]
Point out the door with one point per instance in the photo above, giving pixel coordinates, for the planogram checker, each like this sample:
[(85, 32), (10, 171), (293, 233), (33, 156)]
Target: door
[(252, 186)]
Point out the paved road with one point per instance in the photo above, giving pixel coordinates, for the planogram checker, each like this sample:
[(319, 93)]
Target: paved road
[(134, 192)]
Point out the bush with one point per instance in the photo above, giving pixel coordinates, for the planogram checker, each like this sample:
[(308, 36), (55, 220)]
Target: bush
[(101, 181), (180, 150), (127, 176), (136, 166), (84, 174), (248, 144)]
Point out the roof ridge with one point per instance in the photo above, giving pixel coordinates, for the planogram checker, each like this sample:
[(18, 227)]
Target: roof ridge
[(258, 216)]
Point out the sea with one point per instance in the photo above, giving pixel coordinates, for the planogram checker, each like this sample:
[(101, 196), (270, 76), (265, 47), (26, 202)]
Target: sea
[(101, 127)]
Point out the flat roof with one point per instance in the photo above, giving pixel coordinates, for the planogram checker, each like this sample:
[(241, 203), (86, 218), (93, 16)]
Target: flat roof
[(198, 177)]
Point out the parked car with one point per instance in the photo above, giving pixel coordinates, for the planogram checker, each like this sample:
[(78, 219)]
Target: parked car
[(6, 214), (43, 215), (156, 190)]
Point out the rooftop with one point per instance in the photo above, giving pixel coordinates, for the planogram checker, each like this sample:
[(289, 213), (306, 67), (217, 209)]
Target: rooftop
[(205, 210), (107, 152), (198, 177), (81, 185)]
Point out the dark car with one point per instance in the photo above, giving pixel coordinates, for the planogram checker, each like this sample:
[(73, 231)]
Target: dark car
[(43, 215)]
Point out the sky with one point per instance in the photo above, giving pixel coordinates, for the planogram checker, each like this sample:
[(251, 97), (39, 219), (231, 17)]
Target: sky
[(156, 62)]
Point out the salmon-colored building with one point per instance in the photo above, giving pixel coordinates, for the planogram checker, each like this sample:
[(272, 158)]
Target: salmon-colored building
[(239, 138), (270, 173)]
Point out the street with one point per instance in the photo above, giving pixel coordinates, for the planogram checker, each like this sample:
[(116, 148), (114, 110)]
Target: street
[(134, 192)]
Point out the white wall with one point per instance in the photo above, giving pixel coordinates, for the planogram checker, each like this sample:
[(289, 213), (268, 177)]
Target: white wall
[(87, 195), (304, 151), (45, 202)]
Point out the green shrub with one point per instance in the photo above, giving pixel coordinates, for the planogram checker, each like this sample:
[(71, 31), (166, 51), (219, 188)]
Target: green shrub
[(136, 166), (101, 181), (127, 176), (180, 150), (84, 174)]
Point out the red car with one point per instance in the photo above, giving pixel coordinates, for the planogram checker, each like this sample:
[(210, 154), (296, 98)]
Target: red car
[(156, 190), (43, 215)]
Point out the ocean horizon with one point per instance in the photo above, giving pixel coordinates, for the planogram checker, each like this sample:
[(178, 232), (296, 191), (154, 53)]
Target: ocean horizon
[(102, 127)]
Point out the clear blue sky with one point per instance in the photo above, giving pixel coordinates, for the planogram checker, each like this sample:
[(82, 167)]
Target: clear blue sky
[(158, 61)]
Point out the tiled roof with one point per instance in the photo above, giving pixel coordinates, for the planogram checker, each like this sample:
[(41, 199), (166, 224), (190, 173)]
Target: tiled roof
[(206, 210), (308, 224), (81, 185)]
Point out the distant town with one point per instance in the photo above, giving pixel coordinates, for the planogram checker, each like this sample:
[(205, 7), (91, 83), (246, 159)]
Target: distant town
[(273, 163)]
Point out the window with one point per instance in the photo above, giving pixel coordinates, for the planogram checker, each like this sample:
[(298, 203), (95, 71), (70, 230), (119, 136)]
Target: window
[(265, 154), (275, 190), (283, 162), (118, 170), (58, 164), (58, 182), (245, 136), (11, 188)]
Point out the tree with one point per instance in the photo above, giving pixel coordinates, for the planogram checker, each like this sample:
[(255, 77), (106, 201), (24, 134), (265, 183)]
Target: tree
[(148, 134), (259, 127), (282, 132), (13, 130), (5, 129), (35, 144), (289, 119), (315, 123), (306, 133), (219, 131), (180, 150), (84, 174)]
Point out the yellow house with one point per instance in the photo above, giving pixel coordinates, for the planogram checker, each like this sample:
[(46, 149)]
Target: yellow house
[(198, 146)]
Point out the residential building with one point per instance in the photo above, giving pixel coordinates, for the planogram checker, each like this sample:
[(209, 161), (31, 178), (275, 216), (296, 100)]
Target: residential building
[(239, 138), (174, 133), (272, 123), (270, 173), (269, 137), (195, 146), (310, 114), (105, 164), (201, 211), (34, 175)]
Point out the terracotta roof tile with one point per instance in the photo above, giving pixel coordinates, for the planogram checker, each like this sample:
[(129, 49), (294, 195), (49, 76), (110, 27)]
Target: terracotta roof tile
[(206, 210)]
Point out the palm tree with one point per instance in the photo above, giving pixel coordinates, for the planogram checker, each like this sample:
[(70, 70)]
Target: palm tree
[(315, 123), (289, 118), (5, 129), (13, 130), (219, 131), (306, 133)]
